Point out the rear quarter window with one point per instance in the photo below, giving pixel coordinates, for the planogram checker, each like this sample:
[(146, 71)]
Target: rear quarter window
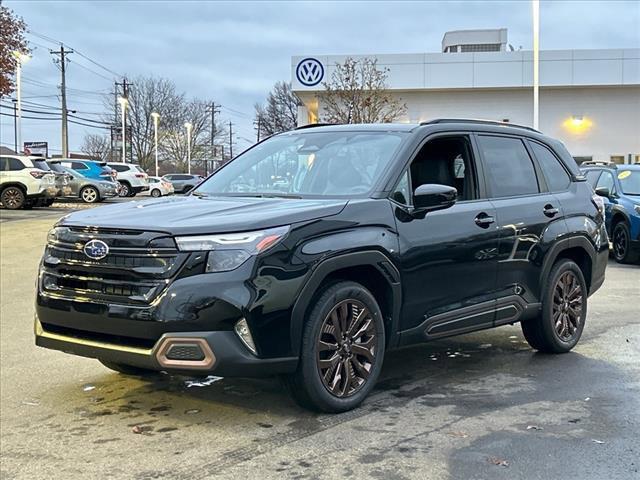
[(554, 173)]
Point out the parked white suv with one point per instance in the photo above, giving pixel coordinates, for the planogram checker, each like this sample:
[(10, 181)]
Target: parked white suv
[(132, 178), (22, 184)]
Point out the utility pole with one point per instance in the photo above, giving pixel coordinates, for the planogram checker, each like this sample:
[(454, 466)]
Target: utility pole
[(259, 125), (213, 110), (230, 140), (125, 94), (15, 126), (63, 94)]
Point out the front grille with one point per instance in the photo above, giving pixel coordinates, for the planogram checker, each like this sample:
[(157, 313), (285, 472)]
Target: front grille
[(136, 270)]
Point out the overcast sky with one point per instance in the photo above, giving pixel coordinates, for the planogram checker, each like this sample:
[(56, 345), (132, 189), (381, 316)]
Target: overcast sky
[(232, 53)]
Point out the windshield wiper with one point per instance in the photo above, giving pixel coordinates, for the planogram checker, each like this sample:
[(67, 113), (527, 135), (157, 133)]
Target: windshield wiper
[(267, 195)]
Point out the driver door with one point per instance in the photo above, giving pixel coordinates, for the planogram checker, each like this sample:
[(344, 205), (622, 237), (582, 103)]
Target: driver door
[(448, 257)]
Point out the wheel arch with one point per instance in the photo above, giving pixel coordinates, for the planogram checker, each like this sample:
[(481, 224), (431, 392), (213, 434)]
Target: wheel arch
[(577, 249), (21, 186), (372, 269)]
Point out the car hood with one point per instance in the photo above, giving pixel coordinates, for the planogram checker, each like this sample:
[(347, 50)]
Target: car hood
[(195, 215)]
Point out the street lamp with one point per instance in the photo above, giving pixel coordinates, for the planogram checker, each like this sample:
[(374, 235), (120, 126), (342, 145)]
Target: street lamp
[(536, 62), (123, 108), (188, 126), (21, 59), (156, 118)]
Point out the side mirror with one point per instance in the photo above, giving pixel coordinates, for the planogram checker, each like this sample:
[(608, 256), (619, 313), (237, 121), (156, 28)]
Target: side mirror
[(603, 192), (433, 196)]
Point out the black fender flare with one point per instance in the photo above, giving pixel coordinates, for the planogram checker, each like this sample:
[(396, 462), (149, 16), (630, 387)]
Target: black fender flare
[(561, 245), (324, 268)]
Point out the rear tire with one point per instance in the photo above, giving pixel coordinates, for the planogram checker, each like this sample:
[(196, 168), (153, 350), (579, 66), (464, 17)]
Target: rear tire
[(128, 369), (342, 350), (156, 193), (564, 310), (621, 238), (12, 198)]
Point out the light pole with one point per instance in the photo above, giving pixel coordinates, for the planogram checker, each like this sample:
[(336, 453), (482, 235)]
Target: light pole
[(156, 118), (188, 126), (536, 64), (21, 59), (123, 107)]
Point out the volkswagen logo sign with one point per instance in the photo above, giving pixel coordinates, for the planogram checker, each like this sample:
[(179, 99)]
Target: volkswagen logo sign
[(309, 72), (96, 249)]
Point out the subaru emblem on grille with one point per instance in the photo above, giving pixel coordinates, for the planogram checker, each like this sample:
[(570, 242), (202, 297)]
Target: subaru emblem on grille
[(96, 249)]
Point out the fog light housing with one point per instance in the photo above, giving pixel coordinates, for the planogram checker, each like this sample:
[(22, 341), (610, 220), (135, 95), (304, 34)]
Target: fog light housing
[(243, 332)]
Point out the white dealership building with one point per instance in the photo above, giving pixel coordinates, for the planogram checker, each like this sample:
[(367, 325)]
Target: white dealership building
[(590, 99)]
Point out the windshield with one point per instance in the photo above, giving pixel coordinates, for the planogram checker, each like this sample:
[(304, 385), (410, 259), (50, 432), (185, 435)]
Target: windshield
[(630, 181), (56, 167), (298, 164)]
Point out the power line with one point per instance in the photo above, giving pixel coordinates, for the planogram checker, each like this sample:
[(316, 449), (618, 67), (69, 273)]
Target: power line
[(89, 70)]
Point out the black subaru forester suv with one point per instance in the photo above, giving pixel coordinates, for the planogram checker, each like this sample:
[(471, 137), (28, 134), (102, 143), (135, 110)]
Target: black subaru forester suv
[(317, 250)]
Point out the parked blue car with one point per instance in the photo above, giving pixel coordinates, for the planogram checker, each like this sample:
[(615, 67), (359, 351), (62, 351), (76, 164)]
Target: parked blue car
[(90, 168), (620, 186)]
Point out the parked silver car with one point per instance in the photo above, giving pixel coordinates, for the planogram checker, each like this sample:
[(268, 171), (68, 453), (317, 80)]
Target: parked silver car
[(89, 190)]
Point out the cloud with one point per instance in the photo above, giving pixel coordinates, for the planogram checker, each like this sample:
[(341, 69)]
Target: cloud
[(233, 52)]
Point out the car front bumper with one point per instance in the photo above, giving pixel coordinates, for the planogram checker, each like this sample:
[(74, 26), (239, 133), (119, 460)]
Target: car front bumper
[(223, 353)]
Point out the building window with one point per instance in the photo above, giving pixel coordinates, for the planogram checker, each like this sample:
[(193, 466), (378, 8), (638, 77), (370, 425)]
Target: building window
[(619, 159), (481, 47), (636, 159)]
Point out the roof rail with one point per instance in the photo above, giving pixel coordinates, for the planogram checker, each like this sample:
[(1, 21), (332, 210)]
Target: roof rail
[(311, 125), (477, 121), (599, 162)]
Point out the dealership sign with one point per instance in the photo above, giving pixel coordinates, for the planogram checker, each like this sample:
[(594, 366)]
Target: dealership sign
[(37, 149), (309, 72)]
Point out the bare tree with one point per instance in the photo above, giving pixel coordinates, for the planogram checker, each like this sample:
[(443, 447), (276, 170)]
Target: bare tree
[(357, 92), (98, 146), (280, 113), (12, 40)]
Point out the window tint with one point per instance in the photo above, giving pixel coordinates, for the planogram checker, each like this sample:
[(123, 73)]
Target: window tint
[(509, 168), (402, 192), (554, 173), (606, 180), (79, 166), (4, 164), (119, 168), (445, 161), (15, 164), (592, 177)]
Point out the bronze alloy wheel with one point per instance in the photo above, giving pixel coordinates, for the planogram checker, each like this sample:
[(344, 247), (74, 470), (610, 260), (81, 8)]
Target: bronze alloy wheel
[(567, 306), (12, 198), (346, 348)]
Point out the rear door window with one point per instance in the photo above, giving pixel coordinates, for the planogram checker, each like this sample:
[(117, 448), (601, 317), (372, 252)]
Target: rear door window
[(15, 164), (509, 169), (4, 164)]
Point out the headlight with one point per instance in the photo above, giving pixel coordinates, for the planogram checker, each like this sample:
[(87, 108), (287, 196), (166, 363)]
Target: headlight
[(227, 251), (637, 209)]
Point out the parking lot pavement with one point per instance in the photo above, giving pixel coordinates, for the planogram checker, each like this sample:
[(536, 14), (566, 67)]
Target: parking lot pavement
[(478, 406)]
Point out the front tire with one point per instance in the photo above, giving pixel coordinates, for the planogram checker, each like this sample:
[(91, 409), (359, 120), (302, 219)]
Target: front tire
[(342, 350), (12, 198), (125, 189), (564, 310), (127, 369), (90, 195), (622, 244)]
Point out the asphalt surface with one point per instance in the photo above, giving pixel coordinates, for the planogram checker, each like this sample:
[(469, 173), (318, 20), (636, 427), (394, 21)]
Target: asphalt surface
[(479, 406)]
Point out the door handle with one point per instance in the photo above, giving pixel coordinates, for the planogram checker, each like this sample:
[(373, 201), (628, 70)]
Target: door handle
[(550, 210), (483, 220)]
